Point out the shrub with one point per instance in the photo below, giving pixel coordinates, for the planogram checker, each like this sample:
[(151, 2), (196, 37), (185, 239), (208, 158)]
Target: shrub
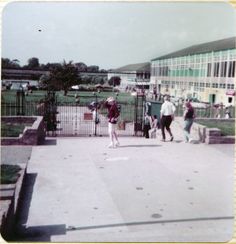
[(9, 173)]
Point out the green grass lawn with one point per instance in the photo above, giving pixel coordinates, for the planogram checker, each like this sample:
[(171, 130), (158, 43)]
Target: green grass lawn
[(227, 127), (10, 96), (12, 130), (9, 173)]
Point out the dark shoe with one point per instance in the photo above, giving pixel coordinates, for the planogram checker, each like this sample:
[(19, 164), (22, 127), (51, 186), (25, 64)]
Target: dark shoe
[(172, 138)]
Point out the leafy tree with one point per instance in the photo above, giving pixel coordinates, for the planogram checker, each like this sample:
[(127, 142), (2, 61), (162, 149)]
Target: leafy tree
[(93, 68), (61, 77), (85, 79), (81, 67), (10, 64), (33, 63), (114, 81), (103, 71)]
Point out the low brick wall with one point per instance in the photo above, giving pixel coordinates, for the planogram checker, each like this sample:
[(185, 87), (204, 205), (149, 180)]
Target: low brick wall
[(32, 135), (199, 131), (9, 204), (207, 135), (212, 135)]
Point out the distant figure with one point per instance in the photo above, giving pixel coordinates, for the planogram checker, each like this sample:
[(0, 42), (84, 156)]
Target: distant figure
[(189, 115), (154, 126), (167, 115), (155, 93), (113, 114), (217, 113), (147, 125), (227, 113)]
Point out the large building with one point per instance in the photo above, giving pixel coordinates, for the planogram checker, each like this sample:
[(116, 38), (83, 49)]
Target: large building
[(132, 75), (205, 71)]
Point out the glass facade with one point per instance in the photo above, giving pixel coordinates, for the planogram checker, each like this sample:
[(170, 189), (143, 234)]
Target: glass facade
[(195, 74)]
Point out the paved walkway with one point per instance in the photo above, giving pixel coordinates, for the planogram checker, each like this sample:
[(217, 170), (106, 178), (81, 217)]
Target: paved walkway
[(144, 191)]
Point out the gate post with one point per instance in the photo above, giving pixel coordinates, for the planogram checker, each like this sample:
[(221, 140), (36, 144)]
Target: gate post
[(50, 112), (139, 113), (20, 102)]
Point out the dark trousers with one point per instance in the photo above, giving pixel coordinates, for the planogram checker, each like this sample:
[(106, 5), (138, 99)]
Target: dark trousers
[(145, 131), (165, 123)]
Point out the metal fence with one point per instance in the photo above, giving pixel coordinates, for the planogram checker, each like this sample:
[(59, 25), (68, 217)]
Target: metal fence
[(77, 119), (208, 112)]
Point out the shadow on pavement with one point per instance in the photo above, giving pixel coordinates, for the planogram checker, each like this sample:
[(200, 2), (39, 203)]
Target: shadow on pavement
[(40, 233), (154, 145), (50, 142), (35, 233)]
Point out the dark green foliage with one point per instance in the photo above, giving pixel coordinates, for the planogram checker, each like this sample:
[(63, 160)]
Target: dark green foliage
[(114, 81), (9, 173), (11, 130), (61, 77)]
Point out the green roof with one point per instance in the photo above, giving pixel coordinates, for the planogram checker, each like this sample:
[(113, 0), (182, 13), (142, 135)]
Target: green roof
[(141, 67), (219, 45)]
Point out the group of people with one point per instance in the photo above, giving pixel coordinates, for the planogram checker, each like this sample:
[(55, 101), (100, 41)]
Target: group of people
[(151, 123)]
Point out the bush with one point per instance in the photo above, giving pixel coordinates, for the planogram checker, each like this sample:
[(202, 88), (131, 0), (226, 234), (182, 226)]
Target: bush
[(12, 130), (9, 173)]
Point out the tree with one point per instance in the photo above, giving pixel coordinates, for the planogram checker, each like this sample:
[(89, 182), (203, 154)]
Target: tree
[(33, 63), (61, 77), (114, 81), (93, 68), (81, 67), (10, 64)]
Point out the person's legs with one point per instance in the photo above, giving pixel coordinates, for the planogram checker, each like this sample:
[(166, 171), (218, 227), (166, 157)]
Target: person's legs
[(187, 128), (146, 129), (163, 127), (168, 123), (150, 132), (186, 133), (116, 138), (110, 132)]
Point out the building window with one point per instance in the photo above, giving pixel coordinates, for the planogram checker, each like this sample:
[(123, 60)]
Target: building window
[(222, 85), (230, 86), (209, 69), (231, 69), (223, 69), (216, 69), (230, 100), (214, 85)]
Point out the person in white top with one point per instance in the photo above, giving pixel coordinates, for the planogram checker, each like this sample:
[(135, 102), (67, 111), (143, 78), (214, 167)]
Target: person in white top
[(167, 115)]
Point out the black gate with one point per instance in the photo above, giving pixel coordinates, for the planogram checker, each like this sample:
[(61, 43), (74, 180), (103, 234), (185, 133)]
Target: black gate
[(88, 117)]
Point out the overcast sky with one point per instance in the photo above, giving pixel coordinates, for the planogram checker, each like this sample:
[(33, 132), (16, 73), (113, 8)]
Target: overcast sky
[(110, 34)]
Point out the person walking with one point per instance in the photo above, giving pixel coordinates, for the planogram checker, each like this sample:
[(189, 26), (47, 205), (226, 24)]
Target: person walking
[(147, 125), (113, 114), (189, 115), (154, 126), (167, 116)]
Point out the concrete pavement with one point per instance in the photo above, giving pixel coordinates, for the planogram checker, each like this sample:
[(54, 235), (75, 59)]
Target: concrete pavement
[(145, 190)]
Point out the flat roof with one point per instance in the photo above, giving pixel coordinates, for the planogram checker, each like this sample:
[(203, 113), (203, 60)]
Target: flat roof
[(219, 45), (142, 67)]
